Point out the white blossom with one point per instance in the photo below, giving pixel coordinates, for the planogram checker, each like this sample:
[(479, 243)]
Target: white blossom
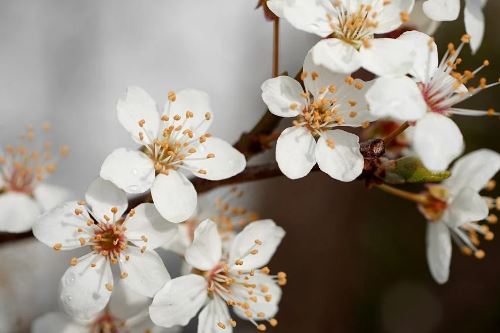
[(429, 98), (174, 141), (330, 100), (24, 194), (127, 312), (348, 28), (454, 207), (448, 10), (220, 280), (97, 225)]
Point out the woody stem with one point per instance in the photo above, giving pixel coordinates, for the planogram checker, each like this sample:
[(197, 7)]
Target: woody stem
[(276, 46)]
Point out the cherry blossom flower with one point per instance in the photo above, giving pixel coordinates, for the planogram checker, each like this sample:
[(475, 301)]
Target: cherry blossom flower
[(221, 207), (448, 10), (127, 312), (221, 280), (329, 100), (24, 195), (174, 141), (350, 27), (429, 98), (454, 207), (98, 226)]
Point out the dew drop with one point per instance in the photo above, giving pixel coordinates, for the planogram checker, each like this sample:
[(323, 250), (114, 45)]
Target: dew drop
[(70, 279), (67, 299), (135, 172)]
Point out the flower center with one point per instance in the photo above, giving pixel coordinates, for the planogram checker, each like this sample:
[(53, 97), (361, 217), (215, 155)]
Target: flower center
[(437, 202), (178, 140), (106, 324), (22, 167), (448, 86), (242, 289), (109, 239), (323, 110)]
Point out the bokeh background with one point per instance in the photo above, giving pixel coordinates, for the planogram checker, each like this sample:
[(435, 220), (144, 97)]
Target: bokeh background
[(355, 257)]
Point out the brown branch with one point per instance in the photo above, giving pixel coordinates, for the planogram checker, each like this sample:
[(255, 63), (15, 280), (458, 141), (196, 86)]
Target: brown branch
[(276, 46)]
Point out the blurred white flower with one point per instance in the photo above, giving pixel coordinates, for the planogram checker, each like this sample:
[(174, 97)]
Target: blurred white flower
[(220, 280), (24, 195), (429, 98), (455, 206), (223, 210), (97, 225), (174, 141), (448, 10), (329, 100), (127, 312), (350, 27)]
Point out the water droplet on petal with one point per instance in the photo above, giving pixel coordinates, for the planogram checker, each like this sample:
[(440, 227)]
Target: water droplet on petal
[(70, 278), (135, 172), (67, 299)]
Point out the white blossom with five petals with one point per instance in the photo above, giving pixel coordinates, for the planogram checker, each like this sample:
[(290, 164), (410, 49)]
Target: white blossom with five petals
[(349, 28), (454, 207), (97, 224), (329, 101), (174, 141), (429, 98), (221, 280)]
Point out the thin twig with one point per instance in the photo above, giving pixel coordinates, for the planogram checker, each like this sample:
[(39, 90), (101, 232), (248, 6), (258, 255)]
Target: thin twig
[(391, 136), (276, 46)]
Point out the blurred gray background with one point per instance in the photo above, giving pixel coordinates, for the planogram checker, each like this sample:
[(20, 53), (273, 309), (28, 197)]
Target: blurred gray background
[(355, 258)]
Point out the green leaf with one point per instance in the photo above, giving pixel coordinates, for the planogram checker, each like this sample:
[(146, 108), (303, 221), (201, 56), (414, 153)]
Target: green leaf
[(411, 170)]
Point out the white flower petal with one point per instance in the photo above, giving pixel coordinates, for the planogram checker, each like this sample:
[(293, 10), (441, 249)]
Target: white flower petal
[(353, 106), (442, 10), (227, 162), (473, 170), (323, 77), (426, 54), (136, 106), (474, 22), (131, 170), (281, 94), (57, 322), (389, 18), (102, 195), (295, 152), (309, 16), (387, 57), (49, 196), (265, 231), (336, 55), (60, 226), (466, 206), (276, 6), (396, 97), (147, 222), (146, 271), (438, 251), (437, 140), (83, 288), (196, 101), (126, 303), (205, 251), (174, 196), (215, 312), (344, 162), (268, 308), (18, 212), (179, 301)]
